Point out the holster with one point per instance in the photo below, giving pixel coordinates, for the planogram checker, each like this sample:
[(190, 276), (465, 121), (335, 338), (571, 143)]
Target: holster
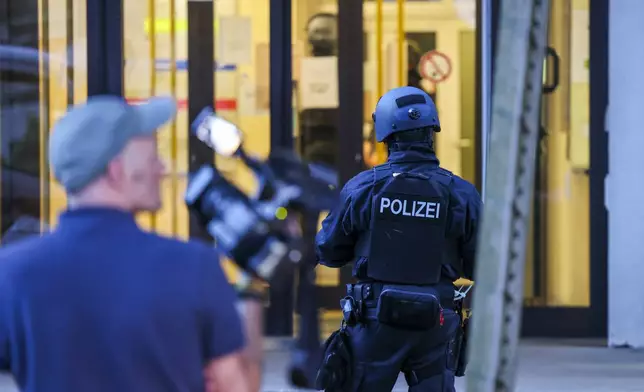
[(461, 339), (334, 374), (351, 310)]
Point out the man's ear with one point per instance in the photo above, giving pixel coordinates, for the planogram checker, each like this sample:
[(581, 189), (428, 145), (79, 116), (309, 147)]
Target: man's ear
[(115, 172)]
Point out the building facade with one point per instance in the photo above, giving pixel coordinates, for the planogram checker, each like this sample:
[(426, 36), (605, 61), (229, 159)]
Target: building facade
[(284, 69)]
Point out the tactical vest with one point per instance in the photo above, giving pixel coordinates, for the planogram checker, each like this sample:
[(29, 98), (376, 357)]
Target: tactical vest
[(406, 240)]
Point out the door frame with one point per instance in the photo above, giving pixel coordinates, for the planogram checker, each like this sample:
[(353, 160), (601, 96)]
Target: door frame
[(587, 322), (278, 316), (350, 120), (104, 47), (350, 110)]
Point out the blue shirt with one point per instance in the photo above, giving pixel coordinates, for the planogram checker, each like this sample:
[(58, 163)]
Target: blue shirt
[(342, 228), (100, 305)]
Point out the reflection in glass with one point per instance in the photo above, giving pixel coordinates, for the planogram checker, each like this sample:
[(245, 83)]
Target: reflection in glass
[(38, 63), (318, 133), (20, 120)]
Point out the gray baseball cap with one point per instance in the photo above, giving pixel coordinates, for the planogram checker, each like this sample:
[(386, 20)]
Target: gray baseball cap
[(90, 135)]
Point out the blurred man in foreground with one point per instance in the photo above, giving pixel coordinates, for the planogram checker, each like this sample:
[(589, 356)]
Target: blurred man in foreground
[(252, 297), (99, 304)]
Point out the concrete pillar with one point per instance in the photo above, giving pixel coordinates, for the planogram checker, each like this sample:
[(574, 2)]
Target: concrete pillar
[(625, 182)]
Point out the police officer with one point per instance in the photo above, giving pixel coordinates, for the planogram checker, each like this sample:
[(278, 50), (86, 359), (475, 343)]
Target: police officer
[(410, 227)]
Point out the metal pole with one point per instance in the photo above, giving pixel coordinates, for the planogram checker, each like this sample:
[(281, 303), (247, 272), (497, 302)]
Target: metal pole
[(401, 42), (498, 301), (381, 151), (104, 47), (279, 314), (379, 58), (174, 139), (153, 75), (281, 83), (350, 91), (201, 85), (44, 99), (486, 84)]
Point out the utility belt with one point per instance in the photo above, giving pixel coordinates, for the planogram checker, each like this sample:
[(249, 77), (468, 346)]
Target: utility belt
[(400, 306)]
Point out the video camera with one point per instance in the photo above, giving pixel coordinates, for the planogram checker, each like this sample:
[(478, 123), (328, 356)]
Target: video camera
[(259, 233)]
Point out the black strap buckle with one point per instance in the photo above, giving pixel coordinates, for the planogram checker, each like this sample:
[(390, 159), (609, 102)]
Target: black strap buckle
[(416, 376), (350, 312)]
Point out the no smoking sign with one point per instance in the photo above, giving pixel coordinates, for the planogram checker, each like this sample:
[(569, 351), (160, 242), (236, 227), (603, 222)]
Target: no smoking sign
[(435, 66)]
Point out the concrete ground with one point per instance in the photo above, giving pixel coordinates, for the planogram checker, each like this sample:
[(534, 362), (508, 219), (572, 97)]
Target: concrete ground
[(544, 366)]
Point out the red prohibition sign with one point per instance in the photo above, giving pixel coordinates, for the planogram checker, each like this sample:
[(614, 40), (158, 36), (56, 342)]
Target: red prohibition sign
[(435, 66)]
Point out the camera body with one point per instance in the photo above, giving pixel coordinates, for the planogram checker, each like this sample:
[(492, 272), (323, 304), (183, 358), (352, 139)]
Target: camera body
[(260, 234), (257, 244)]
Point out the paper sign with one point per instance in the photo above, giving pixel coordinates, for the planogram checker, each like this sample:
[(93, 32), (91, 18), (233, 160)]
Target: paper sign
[(579, 47), (319, 83), (235, 40), (247, 97), (262, 77)]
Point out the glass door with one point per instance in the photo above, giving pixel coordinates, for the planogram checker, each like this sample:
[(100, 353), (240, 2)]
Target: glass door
[(558, 257)]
